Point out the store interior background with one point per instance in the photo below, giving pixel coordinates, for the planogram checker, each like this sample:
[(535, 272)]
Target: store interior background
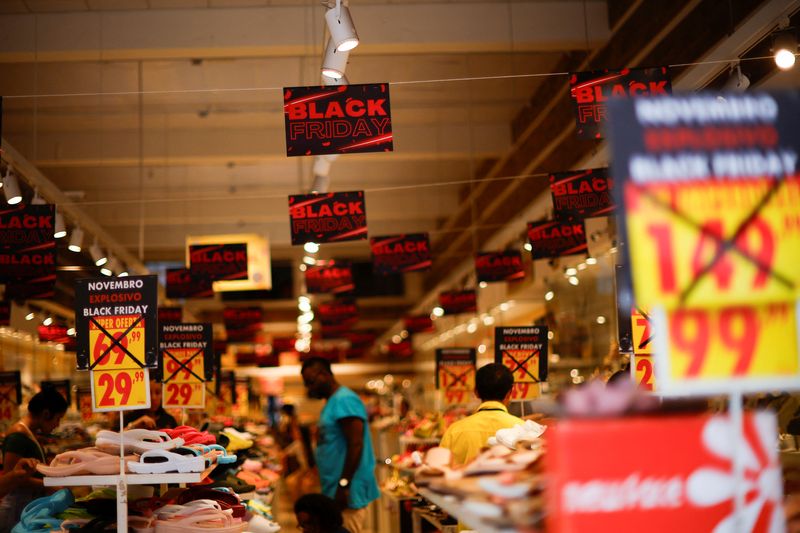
[(146, 121)]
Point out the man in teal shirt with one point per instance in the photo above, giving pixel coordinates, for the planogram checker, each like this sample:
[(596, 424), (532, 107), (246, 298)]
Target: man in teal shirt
[(345, 458)]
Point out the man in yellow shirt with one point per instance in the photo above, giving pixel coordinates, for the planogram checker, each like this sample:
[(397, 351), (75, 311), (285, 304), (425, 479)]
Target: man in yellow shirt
[(465, 438)]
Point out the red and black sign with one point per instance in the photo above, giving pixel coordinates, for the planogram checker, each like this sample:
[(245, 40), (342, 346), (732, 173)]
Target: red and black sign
[(402, 349), (53, 333), (61, 386), (455, 302), (5, 312), (170, 315), (523, 349), (27, 244), (131, 301), (218, 262), (456, 357), (338, 312), (330, 217), (395, 254), (361, 339), (175, 339), (181, 284), (582, 194), (418, 323), (334, 277), (41, 288), (554, 239), (282, 344), (344, 119), (242, 323), (499, 266), (591, 92)]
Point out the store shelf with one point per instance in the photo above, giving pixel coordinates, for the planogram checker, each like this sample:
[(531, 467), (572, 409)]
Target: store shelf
[(456, 509), (130, 479)]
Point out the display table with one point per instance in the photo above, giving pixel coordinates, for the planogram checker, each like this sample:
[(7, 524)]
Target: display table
[(458, 510)]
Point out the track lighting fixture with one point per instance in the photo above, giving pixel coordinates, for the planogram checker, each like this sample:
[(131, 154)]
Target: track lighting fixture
[(784, 48), (321, 184), (332, 82), (341, 27), (335, 62), (61, 228), (76, 240), (11, 188), (47, 321), (736, 81), (30, 316), (37, 200), (97, 254)]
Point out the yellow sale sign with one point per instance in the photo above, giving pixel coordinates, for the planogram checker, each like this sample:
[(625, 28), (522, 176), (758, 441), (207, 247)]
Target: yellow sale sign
[(707, 244), (114, 339), (458, 382), (120, 390), (712, 349), (642, 331), (184, 385)]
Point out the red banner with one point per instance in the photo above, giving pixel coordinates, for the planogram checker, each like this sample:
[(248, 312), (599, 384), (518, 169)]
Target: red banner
[(338, 312), (242, 323), (554, 239), (683, 481), (418, 323), (330, 217), (32, 289), (27, 244), (395, 254), (282, 344), (170, 315), (582, 194), (333, 277), (181, 284), (455, 302), (344, 119), (591, 91), (499, 266), (402, 349)]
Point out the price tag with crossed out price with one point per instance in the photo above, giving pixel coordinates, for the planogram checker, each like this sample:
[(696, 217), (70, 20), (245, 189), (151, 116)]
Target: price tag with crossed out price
[(184, 385), (525, 365), (118, 382), (458, 382), (642, 333)]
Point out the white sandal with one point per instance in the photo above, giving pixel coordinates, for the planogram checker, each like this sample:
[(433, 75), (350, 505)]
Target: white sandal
[(164, 461), (136, 440)]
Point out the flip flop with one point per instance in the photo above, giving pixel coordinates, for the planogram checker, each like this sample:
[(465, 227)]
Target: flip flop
[(163, 461), (201, 519), (82, 462), (50, 505), (219, 454), (191, 436), (136, 440), (226, 500), (237, 440)]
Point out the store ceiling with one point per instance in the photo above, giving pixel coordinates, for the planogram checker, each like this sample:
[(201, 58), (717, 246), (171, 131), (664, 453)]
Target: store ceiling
[(148, 149)]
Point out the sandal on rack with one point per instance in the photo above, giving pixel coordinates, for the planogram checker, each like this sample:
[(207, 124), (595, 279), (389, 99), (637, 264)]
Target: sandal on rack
[(82, 462), (164, 461), (136, 440)]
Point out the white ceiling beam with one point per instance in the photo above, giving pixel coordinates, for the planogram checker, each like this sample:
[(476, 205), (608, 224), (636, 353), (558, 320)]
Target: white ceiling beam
[(298, 30)]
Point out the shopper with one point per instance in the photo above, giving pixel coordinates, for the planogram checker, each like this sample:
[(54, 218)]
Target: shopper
[(345, 458), (465, 438), (155, 417), (316, 513), (45, 411)]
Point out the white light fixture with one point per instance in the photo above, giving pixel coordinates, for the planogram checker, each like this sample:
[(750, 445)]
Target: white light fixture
[(61, 228), (601, 319), (549, 295), (309, 260), (550, 334), (570, 271), (97, 254), (472, 328), (124, 273), (483, 284), (573, 280), (37, 200), (591, 260), (341, 27), (528, 247), (30, 316), (303, 300), (582, 266), (331, 82), (71, 332), (47, 321), (11, 188), (76, 240), (321, 184), (304, 328), (488, 320), (304, 307), (736, 81), (305, 318), (397, 339), (311, 247), (303, 267), (105, 271), (438, 311), (335, 61), (784, 48), (482, 348)]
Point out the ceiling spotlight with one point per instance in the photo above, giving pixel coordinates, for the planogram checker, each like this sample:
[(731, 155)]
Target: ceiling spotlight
[(309, 260), (47, 321), (438, 311), (304, 328), (76, 240), (528, 247), (736, 81), (311, 247), (549, 295), (570, 271), (784, 48), (11, 188), (124, 273), (106, 272), (573, 280), (30, 316), (305, 318), (37, 200), (321, 183), (97, 254), (71, 332), (601, 319), (304, 307), (483, 284), (335, 61), (591, 260), (61, 228), (340, 24), (329, 82), (322, 166)]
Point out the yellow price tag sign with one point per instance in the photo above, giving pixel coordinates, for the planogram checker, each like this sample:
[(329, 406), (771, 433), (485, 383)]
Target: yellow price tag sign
[(184, 371), (712, 349), (525, 366), (115, 340), (642, 333), (714, 243), (185, 395), (457, 381), (120, 390), (9, 409), (645, 374)]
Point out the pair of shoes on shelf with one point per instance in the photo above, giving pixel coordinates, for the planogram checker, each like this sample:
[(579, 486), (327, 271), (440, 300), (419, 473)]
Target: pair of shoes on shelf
[(82, 462), (190, 435), (509, 437), (136, 441), (40, 514), (197, 515)]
